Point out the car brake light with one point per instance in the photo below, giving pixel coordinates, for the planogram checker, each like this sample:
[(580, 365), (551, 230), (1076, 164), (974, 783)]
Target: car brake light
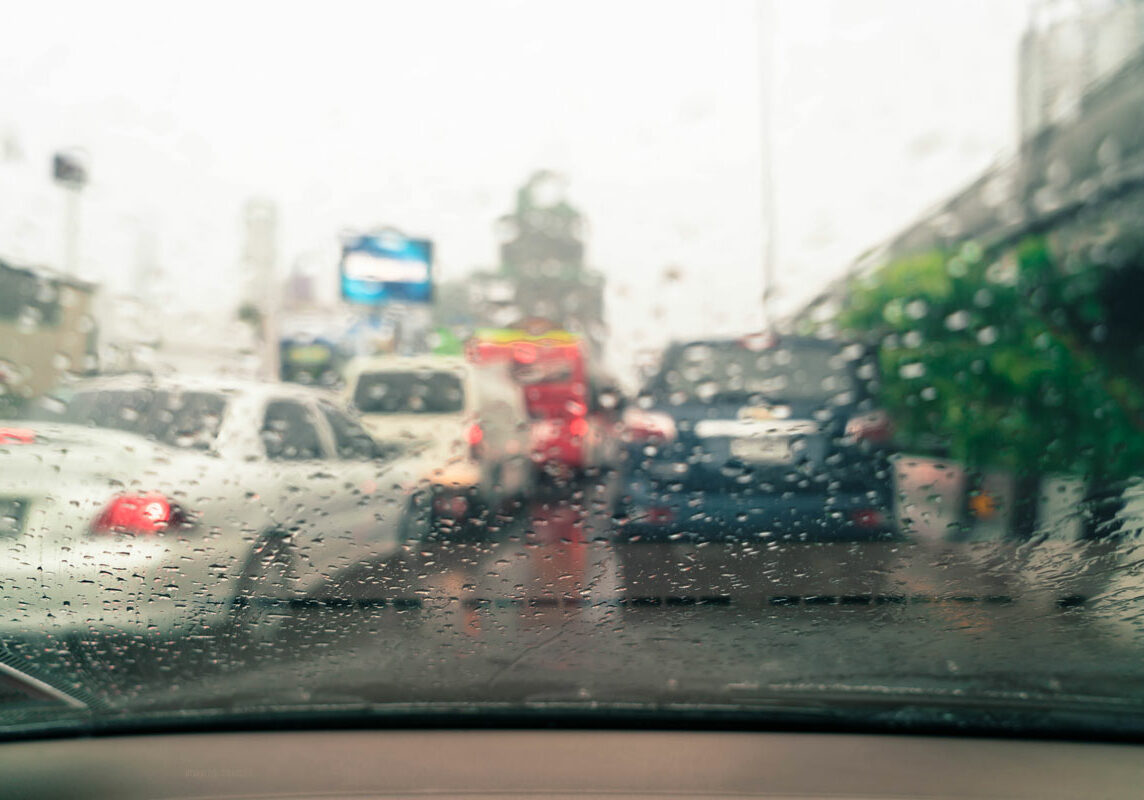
[(475, 435), (454, 506), (578, 426), (874, 427), (17, 436), (868, 518), (660, 515), (138, 514), (648, 426)]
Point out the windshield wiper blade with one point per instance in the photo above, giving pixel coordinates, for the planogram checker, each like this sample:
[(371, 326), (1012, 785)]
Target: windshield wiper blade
[(37, 688)]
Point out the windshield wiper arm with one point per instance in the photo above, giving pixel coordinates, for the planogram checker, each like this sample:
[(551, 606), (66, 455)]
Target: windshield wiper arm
[(37, 688)]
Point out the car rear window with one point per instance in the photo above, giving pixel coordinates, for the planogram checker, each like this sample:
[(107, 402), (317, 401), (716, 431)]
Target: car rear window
[(189, 420), (711, 371), (409, 392), (542, 372)]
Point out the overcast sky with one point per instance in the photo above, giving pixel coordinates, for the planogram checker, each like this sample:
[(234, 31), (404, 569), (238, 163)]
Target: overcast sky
[(427, 115)]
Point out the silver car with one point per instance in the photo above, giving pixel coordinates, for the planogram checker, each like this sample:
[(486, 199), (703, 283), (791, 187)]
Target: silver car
[(164, 507), (467, 422)]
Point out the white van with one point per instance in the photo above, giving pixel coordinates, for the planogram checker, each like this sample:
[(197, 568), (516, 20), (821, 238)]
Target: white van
[(468, 422)]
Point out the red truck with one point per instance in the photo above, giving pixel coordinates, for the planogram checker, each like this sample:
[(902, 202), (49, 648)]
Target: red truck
[(574, 416)]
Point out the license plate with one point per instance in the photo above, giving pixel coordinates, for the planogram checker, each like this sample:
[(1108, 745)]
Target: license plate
[(762, 450)]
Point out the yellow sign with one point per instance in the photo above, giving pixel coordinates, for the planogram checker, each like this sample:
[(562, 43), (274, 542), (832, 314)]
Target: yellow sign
[(308, 354), (509, 335)]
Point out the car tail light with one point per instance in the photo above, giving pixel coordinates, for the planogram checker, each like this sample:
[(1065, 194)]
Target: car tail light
[(660, 515), (648, 426), (578, 426), (143, 514), (868, 518), (475, 436), (17, 436), (874, 427), (454, 506)]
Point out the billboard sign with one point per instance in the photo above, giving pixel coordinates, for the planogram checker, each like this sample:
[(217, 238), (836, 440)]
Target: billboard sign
[(386, 267)]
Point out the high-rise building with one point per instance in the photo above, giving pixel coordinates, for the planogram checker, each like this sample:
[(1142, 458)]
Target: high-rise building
[(542, 271), (542, 256)]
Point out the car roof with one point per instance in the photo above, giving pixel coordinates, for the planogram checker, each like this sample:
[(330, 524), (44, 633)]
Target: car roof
[(388, 363), (808, 342), (221, 385)]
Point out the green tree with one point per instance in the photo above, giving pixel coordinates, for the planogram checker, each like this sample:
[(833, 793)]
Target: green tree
[(1005, 360)]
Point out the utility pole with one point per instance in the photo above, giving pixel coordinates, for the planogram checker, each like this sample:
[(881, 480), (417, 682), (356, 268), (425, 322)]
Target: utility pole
[(260, 254), (765, 18)]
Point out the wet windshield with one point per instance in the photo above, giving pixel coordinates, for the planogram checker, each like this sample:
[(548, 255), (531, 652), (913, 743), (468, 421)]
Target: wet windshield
[(773, 358)]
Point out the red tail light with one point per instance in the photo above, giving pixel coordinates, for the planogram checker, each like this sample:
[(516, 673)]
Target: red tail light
[(17, 436), (454, 506), (143, 514), (475, 435), (578, 426), (868, 518), (648, 426), (660, 515), (874, 427)]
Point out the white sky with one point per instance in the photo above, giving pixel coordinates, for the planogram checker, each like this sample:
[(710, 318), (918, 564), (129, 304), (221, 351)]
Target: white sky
[(427, 115)]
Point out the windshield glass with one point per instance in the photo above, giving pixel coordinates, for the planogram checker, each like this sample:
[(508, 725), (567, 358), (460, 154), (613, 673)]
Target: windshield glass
[(409, 393), (770, 359)]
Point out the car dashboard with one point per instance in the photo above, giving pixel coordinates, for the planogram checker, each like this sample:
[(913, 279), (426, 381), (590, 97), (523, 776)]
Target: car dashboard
[(564, 764)]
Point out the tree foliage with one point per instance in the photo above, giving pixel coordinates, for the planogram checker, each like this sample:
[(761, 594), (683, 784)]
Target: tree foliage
[(1027, 358)]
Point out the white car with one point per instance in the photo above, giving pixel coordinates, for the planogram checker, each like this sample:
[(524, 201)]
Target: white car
[(468, 422), (163, 506)]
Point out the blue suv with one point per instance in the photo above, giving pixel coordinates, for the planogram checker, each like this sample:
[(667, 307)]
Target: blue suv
[(761, 438)]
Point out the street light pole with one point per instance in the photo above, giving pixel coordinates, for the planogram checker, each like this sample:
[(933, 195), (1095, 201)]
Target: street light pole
[(765, 26), (69, 171), (71, 230)]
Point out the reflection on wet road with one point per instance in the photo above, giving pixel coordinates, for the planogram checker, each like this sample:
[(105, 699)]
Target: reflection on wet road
[(549, 608)]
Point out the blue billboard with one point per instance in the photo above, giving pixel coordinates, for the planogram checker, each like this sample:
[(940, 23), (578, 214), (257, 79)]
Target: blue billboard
[(386, 267)]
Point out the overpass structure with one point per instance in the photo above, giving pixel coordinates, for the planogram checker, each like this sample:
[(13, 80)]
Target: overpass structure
[(1089, 166)]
